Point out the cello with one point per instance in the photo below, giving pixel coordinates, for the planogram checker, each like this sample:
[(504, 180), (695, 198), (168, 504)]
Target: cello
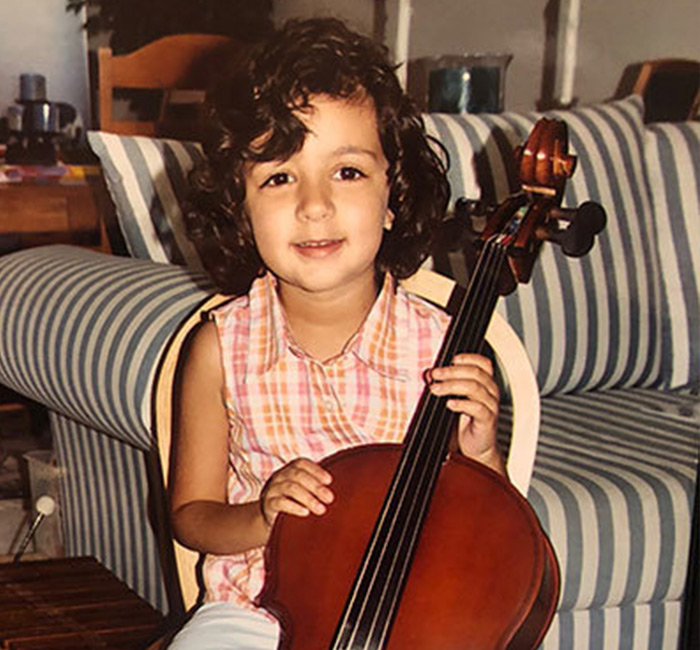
[(431, 550)]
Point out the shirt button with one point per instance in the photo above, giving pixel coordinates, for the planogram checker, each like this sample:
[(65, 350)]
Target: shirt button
[(329, 404)]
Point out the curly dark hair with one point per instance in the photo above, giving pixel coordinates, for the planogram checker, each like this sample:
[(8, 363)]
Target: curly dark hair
[(261, 96)]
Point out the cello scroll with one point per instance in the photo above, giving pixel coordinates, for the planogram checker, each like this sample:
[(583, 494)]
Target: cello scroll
[(544, 165)]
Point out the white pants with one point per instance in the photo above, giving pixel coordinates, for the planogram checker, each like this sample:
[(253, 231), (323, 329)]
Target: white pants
[(224, 626)]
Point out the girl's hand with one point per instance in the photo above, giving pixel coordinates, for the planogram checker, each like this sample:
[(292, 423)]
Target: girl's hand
[(299, 488), (474, 394)]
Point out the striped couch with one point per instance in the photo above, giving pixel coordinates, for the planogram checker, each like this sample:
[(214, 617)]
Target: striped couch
[(614, 338)]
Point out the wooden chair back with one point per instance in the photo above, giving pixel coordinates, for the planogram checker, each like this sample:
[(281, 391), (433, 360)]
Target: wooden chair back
[(511, 355), (670, 88), (180, 66)]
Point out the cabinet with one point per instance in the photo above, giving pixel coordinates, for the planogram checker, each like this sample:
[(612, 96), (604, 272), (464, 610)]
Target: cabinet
[(37, 211)]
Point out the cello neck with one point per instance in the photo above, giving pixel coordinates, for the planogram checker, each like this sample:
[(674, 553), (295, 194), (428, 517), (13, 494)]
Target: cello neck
[(468, 327)]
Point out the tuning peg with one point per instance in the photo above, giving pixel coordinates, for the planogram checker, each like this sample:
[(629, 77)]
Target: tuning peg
[(585, 222), (593, 215)]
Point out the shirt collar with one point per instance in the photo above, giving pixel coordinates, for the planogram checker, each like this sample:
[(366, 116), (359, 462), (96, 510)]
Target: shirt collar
[(376, 344)]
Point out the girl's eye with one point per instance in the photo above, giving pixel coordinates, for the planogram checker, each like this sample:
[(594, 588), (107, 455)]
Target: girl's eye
[(349, 174), (276, 179)]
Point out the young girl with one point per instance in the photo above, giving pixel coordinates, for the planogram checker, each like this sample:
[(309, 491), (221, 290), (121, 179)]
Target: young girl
[(320, 192)]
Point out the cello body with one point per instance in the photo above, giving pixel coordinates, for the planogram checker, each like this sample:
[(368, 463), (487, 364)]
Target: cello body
[(457, 596)]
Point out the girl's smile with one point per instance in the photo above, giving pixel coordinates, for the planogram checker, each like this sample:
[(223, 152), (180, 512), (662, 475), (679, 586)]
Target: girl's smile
[(319, 248)]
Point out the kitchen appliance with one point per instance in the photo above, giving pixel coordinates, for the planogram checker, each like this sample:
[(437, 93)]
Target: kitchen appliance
[(37, 126)]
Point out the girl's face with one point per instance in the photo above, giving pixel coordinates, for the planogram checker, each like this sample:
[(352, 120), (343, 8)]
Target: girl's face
[(318, 217)]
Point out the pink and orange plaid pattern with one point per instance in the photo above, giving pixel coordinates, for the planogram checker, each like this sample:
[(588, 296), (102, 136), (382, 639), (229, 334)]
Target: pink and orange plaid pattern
[(283, 404)]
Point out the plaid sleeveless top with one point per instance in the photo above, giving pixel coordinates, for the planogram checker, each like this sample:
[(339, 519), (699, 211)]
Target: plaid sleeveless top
[(282, 404)]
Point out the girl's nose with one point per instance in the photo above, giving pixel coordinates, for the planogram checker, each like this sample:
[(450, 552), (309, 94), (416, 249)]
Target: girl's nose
[(314, 202)]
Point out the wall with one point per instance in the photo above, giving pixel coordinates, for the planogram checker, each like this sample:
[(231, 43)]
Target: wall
[(359, 14), (40, 36), (453, 27), (613, 34)]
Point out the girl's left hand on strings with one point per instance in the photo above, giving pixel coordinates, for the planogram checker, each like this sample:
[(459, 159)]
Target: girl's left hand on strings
[(472, 392)]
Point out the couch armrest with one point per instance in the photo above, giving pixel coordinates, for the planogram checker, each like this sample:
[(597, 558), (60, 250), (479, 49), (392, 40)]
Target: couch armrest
[(83, 333)]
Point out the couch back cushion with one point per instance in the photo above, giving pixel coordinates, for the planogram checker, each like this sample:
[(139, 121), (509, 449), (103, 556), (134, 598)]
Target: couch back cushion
[(673, 165), (591, 322), (147, 179)]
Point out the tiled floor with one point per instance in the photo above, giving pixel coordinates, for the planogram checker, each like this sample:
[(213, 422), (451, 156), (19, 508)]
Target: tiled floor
[(21, 431)]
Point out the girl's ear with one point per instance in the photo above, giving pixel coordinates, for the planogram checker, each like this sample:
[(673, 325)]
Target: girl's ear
[(388, 219)]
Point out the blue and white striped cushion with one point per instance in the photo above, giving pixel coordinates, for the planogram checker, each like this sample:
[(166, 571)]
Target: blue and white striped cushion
[(98, 326), (648, 626), (147, 179), (592, 322), (673, 165), (613, 485)]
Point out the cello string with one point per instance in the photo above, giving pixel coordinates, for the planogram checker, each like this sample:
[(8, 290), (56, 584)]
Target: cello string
[(434, 451), (426, 480), (467, 337), (432, 459)]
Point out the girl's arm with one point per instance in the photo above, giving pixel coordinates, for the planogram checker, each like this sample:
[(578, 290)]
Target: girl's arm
[(201, 517)]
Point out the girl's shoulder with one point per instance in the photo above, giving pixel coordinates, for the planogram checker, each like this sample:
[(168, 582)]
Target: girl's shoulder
[(229, 309), (257, 300)]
